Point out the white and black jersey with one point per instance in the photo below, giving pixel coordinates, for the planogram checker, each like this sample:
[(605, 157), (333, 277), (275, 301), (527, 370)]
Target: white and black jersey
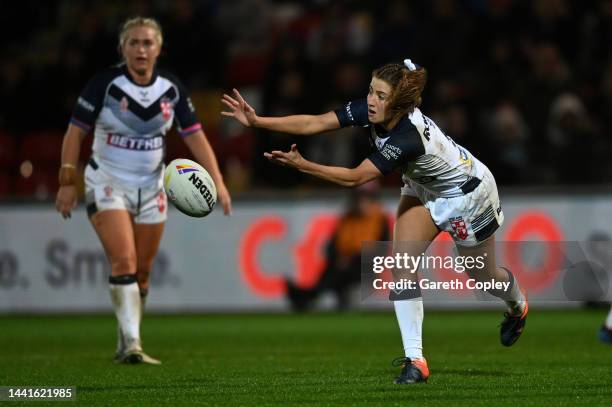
[(130, 121), (419, 149), (457, 189)]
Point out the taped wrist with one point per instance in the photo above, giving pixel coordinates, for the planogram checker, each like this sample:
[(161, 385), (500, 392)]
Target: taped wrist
[(67, 175)]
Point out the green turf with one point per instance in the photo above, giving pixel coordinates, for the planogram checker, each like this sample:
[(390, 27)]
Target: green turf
[(322, 359)]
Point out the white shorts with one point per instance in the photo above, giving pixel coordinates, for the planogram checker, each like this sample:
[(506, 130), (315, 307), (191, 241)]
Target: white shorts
[(470, 219), (103, 192)]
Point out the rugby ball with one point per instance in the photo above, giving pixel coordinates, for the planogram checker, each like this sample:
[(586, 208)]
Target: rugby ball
[(190, 188)]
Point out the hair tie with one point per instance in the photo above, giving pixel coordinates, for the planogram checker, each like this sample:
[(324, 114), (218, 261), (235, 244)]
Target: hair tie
[(408, 64)]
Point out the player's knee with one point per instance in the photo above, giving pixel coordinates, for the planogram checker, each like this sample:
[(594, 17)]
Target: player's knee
[(123, 265)]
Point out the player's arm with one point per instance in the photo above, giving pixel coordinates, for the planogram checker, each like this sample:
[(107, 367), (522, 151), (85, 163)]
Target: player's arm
[(66, 198), (202, 151), (83, 118), (296, 124), (299, 124), (191, 131), (348, 177), (71, 146)]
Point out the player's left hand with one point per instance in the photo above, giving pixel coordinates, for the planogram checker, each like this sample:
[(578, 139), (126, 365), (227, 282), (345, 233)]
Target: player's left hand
[(224, 197), (291, 158)]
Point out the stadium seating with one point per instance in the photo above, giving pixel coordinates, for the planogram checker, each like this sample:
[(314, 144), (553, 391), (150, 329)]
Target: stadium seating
[(8, 146), (43, 149)]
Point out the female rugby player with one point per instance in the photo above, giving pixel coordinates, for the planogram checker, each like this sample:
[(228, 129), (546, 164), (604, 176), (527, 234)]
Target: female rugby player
[(130, 108), (446, 189)]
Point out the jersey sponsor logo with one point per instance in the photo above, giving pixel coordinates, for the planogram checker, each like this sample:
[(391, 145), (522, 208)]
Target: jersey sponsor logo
[(143, 96), (459, 227), (426, 131), (349, 113), (380, 142), (391, 152), (184, 169), (190, 105), (135, 143), (85, 104), (463, 157), (202, 187), (166, 108)]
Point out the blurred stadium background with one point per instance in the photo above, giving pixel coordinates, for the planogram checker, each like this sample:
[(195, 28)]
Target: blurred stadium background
[(525, 85)]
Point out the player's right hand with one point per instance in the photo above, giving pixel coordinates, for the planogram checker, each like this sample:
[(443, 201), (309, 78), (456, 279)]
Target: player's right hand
[(239, 109), (66, 200), (224, 197)]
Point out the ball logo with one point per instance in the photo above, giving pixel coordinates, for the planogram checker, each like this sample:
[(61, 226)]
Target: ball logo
[(203, 188), (190, 188), (184, 169), (171, 194)]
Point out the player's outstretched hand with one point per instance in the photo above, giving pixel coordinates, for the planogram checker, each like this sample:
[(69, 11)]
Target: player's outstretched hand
[(239, 109), (66, 200), (291, 158), (224, 197)]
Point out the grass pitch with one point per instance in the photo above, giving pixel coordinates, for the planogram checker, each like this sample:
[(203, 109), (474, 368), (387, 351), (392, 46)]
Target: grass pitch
[(318, 359)]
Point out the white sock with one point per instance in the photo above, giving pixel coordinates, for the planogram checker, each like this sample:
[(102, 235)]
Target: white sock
[(514, 298), (516, 301), (409, 315), (126, 300), (609, 319)]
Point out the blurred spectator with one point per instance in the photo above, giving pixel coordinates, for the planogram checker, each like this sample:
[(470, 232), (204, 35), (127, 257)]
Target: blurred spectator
[(196, 41), (605, 104), (298, 56), (509, 135), (364, 220), (284, 92), (571, 134), (551, 21), (549, 77), (349, 147), (13, 93), (396, 34)]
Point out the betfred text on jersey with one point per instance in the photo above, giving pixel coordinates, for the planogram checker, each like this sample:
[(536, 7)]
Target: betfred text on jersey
[(197, 182), (135, 143)]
